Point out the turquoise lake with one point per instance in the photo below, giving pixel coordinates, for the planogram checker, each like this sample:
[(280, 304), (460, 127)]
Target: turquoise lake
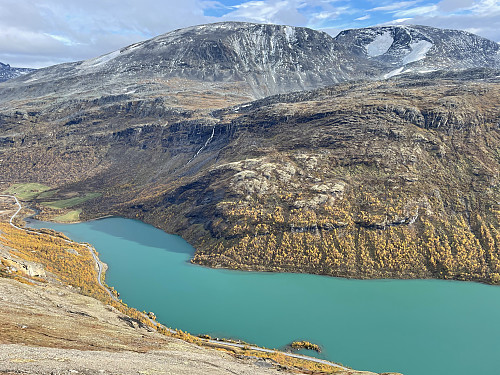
[(417, 327)]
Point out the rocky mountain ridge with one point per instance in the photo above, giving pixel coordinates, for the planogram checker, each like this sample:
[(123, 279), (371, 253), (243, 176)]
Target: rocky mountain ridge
[(420, 49), (7, 72), (258, 60)]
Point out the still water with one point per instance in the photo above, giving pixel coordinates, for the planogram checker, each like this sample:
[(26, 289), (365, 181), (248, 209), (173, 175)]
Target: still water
[(417, 327)]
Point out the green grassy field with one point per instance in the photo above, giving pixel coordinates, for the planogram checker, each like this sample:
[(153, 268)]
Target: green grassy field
[(69, 217), (26, 191), (65, 203), (46, 194)]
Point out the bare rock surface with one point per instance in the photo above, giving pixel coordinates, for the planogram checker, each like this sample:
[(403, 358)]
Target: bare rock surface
[(175, 361)]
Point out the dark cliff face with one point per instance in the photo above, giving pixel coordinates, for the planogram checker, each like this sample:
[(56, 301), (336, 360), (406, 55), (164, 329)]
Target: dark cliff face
[(7, 72)]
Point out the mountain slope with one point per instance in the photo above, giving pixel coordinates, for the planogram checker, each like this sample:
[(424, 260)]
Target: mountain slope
[(7, 72), (262, 59), (362, 179), (393, 178)]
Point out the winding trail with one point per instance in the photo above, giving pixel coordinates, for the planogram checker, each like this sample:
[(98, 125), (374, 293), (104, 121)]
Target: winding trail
[(156, 324)]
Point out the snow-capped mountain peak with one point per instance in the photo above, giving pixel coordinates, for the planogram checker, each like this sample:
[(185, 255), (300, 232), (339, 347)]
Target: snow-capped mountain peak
[(411, 48)]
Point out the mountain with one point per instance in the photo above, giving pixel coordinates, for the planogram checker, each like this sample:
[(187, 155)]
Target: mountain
[(400, 49), (251, 61), (7, 72), (259, 59), (393, 178), (365, 178)]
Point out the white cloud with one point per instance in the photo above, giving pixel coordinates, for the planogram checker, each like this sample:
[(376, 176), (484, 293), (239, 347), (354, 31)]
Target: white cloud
[(280, 11), (367, 17), (481, 18), (395, 6), (423, 10), (486, 7), (398, 20), (36, 33), (317, 20), (311, 13), (68, 30), (64, 40), (454, 5), (325, 15), (473, 30)]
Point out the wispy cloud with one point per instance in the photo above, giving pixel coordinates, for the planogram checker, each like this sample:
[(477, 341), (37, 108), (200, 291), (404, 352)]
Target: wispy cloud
[(311, 13), (286, 11), (396, 21), (394, 6), (423, 10), (38, 33), (486, 7), (454, 5), (481, 17), (364, 18)]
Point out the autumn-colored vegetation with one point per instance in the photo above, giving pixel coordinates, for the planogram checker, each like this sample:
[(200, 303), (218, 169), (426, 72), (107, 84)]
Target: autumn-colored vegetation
[(74, 265), (70, 263), (359, 236), (305, 345)]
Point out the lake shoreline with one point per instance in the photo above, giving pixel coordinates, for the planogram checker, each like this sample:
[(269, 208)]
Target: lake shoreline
[(256, 269), (278, 308), (221, 344)]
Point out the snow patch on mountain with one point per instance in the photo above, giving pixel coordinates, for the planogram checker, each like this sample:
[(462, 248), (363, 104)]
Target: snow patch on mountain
[(418, 51), (394, 72), (380, 44), (131, 47), (290, 34), (101, 60)]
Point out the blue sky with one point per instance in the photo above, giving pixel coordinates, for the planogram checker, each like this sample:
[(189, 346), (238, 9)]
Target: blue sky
[(37, 33)]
